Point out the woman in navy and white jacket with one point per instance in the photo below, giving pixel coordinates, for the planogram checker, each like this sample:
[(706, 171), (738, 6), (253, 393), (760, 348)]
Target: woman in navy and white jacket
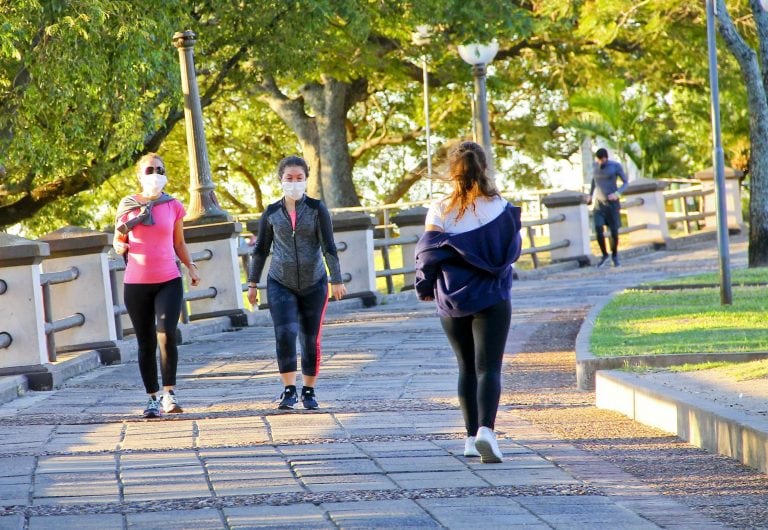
[(464, 263)]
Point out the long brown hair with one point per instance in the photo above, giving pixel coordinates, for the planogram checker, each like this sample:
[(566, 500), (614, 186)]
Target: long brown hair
[(467, 169)]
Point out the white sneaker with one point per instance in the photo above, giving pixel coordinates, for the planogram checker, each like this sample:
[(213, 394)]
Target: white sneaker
[(170, 404), (487, 446), (469, 447)]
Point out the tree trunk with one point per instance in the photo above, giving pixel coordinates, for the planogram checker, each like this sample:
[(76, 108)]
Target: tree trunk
[(330, 102), (323, 135), (758, 128)]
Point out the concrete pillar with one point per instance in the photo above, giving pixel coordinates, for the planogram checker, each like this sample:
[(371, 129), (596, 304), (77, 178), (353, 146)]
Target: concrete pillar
[(90, 294), (221, 271), (574, 226), (21, 305), (353, 232), (651, 212), (411, 225), (733, 179)]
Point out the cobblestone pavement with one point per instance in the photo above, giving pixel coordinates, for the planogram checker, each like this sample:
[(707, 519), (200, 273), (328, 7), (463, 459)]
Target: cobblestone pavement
[(384, 450)]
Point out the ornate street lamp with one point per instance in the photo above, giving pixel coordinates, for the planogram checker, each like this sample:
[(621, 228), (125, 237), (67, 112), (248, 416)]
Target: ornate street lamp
[(422, 37), (479, 56), (203, 207)]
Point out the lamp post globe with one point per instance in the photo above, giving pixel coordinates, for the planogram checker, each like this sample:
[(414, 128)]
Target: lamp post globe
[(478, 55)]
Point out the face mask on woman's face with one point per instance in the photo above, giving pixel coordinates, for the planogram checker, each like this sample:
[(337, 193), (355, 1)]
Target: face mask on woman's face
[(294, 190), (153, 184)]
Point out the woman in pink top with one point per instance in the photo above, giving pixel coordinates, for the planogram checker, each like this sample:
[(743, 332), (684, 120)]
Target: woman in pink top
[(149, 232)]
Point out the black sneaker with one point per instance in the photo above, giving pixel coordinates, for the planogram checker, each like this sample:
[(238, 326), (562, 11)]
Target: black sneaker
[(288, 398), (615, 261), (308, 399), (603, 261)]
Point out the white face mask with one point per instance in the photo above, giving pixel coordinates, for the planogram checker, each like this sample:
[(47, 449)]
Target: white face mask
[(295, 190), (152, 184)]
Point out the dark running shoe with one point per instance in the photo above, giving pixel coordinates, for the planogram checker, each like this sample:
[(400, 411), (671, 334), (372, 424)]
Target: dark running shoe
[(308, 399), (603, 261), (153, 409), (615, 261), (288, 398)]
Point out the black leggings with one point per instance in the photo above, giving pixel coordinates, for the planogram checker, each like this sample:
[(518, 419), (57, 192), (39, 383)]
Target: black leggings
[(145, 302), (297, 314), (607, 213), (478, 341)]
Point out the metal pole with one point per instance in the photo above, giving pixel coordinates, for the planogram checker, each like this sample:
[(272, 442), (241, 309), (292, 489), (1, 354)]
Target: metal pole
[(726, 297), (426, 123), (478, 71), (203, 207)]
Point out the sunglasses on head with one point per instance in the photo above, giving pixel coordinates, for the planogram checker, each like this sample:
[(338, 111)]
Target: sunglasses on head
[(160, 170)]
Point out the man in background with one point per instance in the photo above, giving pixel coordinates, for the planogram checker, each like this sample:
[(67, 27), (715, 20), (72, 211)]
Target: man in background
[(607, 209)]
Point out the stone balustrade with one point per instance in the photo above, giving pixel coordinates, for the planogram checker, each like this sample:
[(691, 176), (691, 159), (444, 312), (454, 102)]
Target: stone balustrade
[(216, 247)]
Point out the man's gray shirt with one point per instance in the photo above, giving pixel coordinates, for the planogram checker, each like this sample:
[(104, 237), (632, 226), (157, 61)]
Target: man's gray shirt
[(605, 180)]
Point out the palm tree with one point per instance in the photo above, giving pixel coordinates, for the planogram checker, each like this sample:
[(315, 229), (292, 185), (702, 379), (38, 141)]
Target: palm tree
[(617, 118)]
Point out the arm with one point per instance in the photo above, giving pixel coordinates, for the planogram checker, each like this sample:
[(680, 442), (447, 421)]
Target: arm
[(428, 259), (120, 239), (426, 275), (120, 242), (325, 231), (259, 255), (624, 182), (180, 247)]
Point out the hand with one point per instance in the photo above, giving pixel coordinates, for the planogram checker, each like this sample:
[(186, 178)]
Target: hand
[(194, 276), (613, 197), (253, 296), (427, 298), (589, 200), (339, 290), (120, 247)]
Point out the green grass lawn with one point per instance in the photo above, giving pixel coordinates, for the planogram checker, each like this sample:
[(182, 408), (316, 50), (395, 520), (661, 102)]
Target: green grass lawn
[(736, 371), (738, 277), (642, 322)]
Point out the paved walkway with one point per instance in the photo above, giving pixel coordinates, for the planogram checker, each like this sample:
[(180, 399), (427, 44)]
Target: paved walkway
[(383, 451)]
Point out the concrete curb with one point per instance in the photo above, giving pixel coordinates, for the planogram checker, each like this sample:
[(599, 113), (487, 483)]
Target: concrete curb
[(697, 421), (11, 387)]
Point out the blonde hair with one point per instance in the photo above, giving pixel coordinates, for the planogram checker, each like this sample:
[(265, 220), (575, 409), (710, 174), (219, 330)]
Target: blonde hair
[(467, 169), (147, 158)]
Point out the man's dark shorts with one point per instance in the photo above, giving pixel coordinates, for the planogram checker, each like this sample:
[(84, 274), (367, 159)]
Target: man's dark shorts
[(607, 214)]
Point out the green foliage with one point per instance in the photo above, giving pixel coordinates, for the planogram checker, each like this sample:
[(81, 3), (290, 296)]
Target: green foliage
[(86, 85)]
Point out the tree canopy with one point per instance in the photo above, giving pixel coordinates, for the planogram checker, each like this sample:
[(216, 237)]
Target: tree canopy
[(88, 86)]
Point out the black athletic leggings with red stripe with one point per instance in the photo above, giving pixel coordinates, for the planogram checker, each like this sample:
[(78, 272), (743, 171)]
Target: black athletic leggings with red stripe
[(154, 309), (297, 314), (478, 341)]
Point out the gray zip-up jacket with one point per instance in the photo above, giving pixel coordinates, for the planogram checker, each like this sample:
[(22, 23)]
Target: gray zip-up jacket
[(296, 253)]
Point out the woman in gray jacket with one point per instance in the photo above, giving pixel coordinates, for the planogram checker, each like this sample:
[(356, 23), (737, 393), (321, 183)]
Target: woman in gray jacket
[(299, 232)]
